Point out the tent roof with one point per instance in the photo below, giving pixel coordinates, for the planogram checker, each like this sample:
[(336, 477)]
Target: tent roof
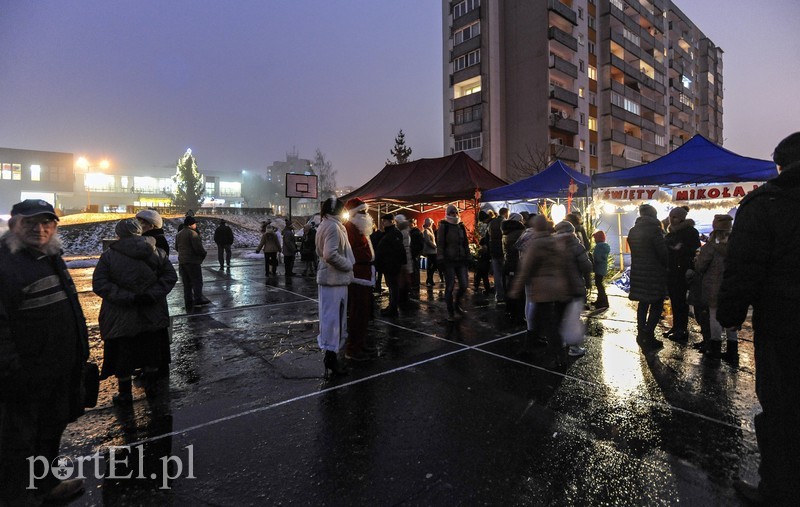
[(552, 182), (428, 180), (696, 161)]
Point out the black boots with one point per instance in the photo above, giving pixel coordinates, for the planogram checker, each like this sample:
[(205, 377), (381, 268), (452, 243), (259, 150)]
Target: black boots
[(332, 363), (714, 349), (732, 351)]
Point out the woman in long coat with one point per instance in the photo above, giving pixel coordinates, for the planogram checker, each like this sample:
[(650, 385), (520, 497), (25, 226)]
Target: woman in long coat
[(133, 278), (333, 276), (648, 273)]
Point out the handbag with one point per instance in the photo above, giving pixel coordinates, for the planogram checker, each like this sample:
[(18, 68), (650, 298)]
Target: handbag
[(91, 384), (572, 328)]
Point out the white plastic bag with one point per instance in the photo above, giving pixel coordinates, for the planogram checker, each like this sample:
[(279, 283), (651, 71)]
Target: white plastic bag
[(572, 328)]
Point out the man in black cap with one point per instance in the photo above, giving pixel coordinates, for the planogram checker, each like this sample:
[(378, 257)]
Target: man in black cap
[(223, 237), (43, 345), (762, 270), (191, 254)]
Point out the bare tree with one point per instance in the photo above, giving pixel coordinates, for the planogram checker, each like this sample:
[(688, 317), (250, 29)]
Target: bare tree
[(533, 161), (323, 168)]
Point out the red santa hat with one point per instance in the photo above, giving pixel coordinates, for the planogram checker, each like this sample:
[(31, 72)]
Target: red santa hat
[(355, 205)]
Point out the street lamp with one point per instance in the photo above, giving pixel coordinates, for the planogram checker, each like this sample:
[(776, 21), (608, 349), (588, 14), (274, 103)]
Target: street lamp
[(84, 164)]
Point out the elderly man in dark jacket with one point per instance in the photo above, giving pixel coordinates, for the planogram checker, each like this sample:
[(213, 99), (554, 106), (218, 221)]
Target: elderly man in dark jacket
[(682, 241), (43, 345), (763, 271), (648, 274), (191, 254), (390, 257), (223, 237)]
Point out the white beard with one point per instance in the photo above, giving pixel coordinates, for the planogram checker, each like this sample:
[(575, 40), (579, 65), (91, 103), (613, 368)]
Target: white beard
[(363, 223)]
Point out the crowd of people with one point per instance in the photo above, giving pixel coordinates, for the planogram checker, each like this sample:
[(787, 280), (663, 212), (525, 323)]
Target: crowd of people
[(542, 273)]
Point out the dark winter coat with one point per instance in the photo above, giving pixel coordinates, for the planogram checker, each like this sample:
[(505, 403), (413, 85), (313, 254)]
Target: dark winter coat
[(452, 244), (496, 238), (190, 247), (133, 266), (308, 248), (762, 267), (390, 256), (417, 242), (579, 267), (543, 267), (648, 260), (223, 235), (512, 230), (600, 258), (710, 263), (289, 245), (161, 240), (682, 241), (43, 334)]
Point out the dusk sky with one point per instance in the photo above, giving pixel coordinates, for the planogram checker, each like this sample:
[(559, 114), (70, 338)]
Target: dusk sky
[(244, 82)]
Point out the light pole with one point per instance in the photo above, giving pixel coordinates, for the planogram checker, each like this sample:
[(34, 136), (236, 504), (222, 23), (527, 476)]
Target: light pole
[(83, 163)]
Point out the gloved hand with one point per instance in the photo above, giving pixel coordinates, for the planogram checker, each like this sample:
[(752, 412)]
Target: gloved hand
[(143, 299)]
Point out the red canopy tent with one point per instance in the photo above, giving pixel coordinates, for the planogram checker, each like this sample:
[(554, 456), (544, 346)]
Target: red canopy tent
[(426, 186)]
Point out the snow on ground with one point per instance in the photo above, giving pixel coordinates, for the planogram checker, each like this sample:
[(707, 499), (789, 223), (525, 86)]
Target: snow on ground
[(82, 234)]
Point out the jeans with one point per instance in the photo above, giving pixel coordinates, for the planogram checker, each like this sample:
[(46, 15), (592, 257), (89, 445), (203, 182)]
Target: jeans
[(453, 270), (497, 273)]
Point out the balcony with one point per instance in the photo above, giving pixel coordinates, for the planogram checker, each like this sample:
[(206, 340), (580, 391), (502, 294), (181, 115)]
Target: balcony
[(563, 37), (565, 125), (562, 152), (563, 10), (564, 66), (472, 99), (563, 95)]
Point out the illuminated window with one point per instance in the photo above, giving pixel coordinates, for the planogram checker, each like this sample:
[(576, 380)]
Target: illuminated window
[(580, 92), (6, 172), (467, 87), (210, 188), (592, 72), (582, 145), (230, 189), (16, 172), (593, 123), (36, 173), (99, 182)]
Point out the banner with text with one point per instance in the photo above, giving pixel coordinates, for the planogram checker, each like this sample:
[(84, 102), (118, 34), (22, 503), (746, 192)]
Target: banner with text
[(699, 193)]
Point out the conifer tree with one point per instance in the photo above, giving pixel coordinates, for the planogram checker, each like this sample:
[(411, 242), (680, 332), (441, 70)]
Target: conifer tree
[(189, 186), (323, 168), (400, 152)]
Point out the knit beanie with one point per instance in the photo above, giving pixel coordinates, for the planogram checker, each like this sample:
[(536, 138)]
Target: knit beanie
[(452, 210), (128, 227), (151, 217), (788, 151), (680, 212), (722, 223), (564, 227), (645, 210), (599, 237)]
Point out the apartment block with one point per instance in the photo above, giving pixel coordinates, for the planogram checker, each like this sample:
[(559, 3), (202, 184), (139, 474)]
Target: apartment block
[(598, 84)]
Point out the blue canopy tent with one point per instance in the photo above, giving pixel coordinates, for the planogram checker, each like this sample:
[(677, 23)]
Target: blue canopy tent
[(552, 182), (697, 161)]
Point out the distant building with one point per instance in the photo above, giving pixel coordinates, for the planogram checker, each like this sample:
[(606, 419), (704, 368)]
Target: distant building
[(30, 174), (599, 84), (55, 178)]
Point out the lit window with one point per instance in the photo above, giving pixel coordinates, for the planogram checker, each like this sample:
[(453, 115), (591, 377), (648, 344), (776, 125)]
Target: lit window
[(593, 123), (592, 72), (230, 189), (582, 145), (467, 87), (36, 173), (16, 172), (580, 92), (6, 172)]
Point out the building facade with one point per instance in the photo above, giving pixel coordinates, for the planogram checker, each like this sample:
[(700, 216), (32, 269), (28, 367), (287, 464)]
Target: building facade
[(598, 84), (58, 179)]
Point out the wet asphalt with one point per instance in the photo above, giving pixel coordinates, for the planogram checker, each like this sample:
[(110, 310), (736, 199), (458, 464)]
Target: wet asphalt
[(450, 413)]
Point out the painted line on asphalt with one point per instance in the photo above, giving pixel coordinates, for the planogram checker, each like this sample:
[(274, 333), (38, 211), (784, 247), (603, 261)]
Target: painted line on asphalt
[(281, 403)]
